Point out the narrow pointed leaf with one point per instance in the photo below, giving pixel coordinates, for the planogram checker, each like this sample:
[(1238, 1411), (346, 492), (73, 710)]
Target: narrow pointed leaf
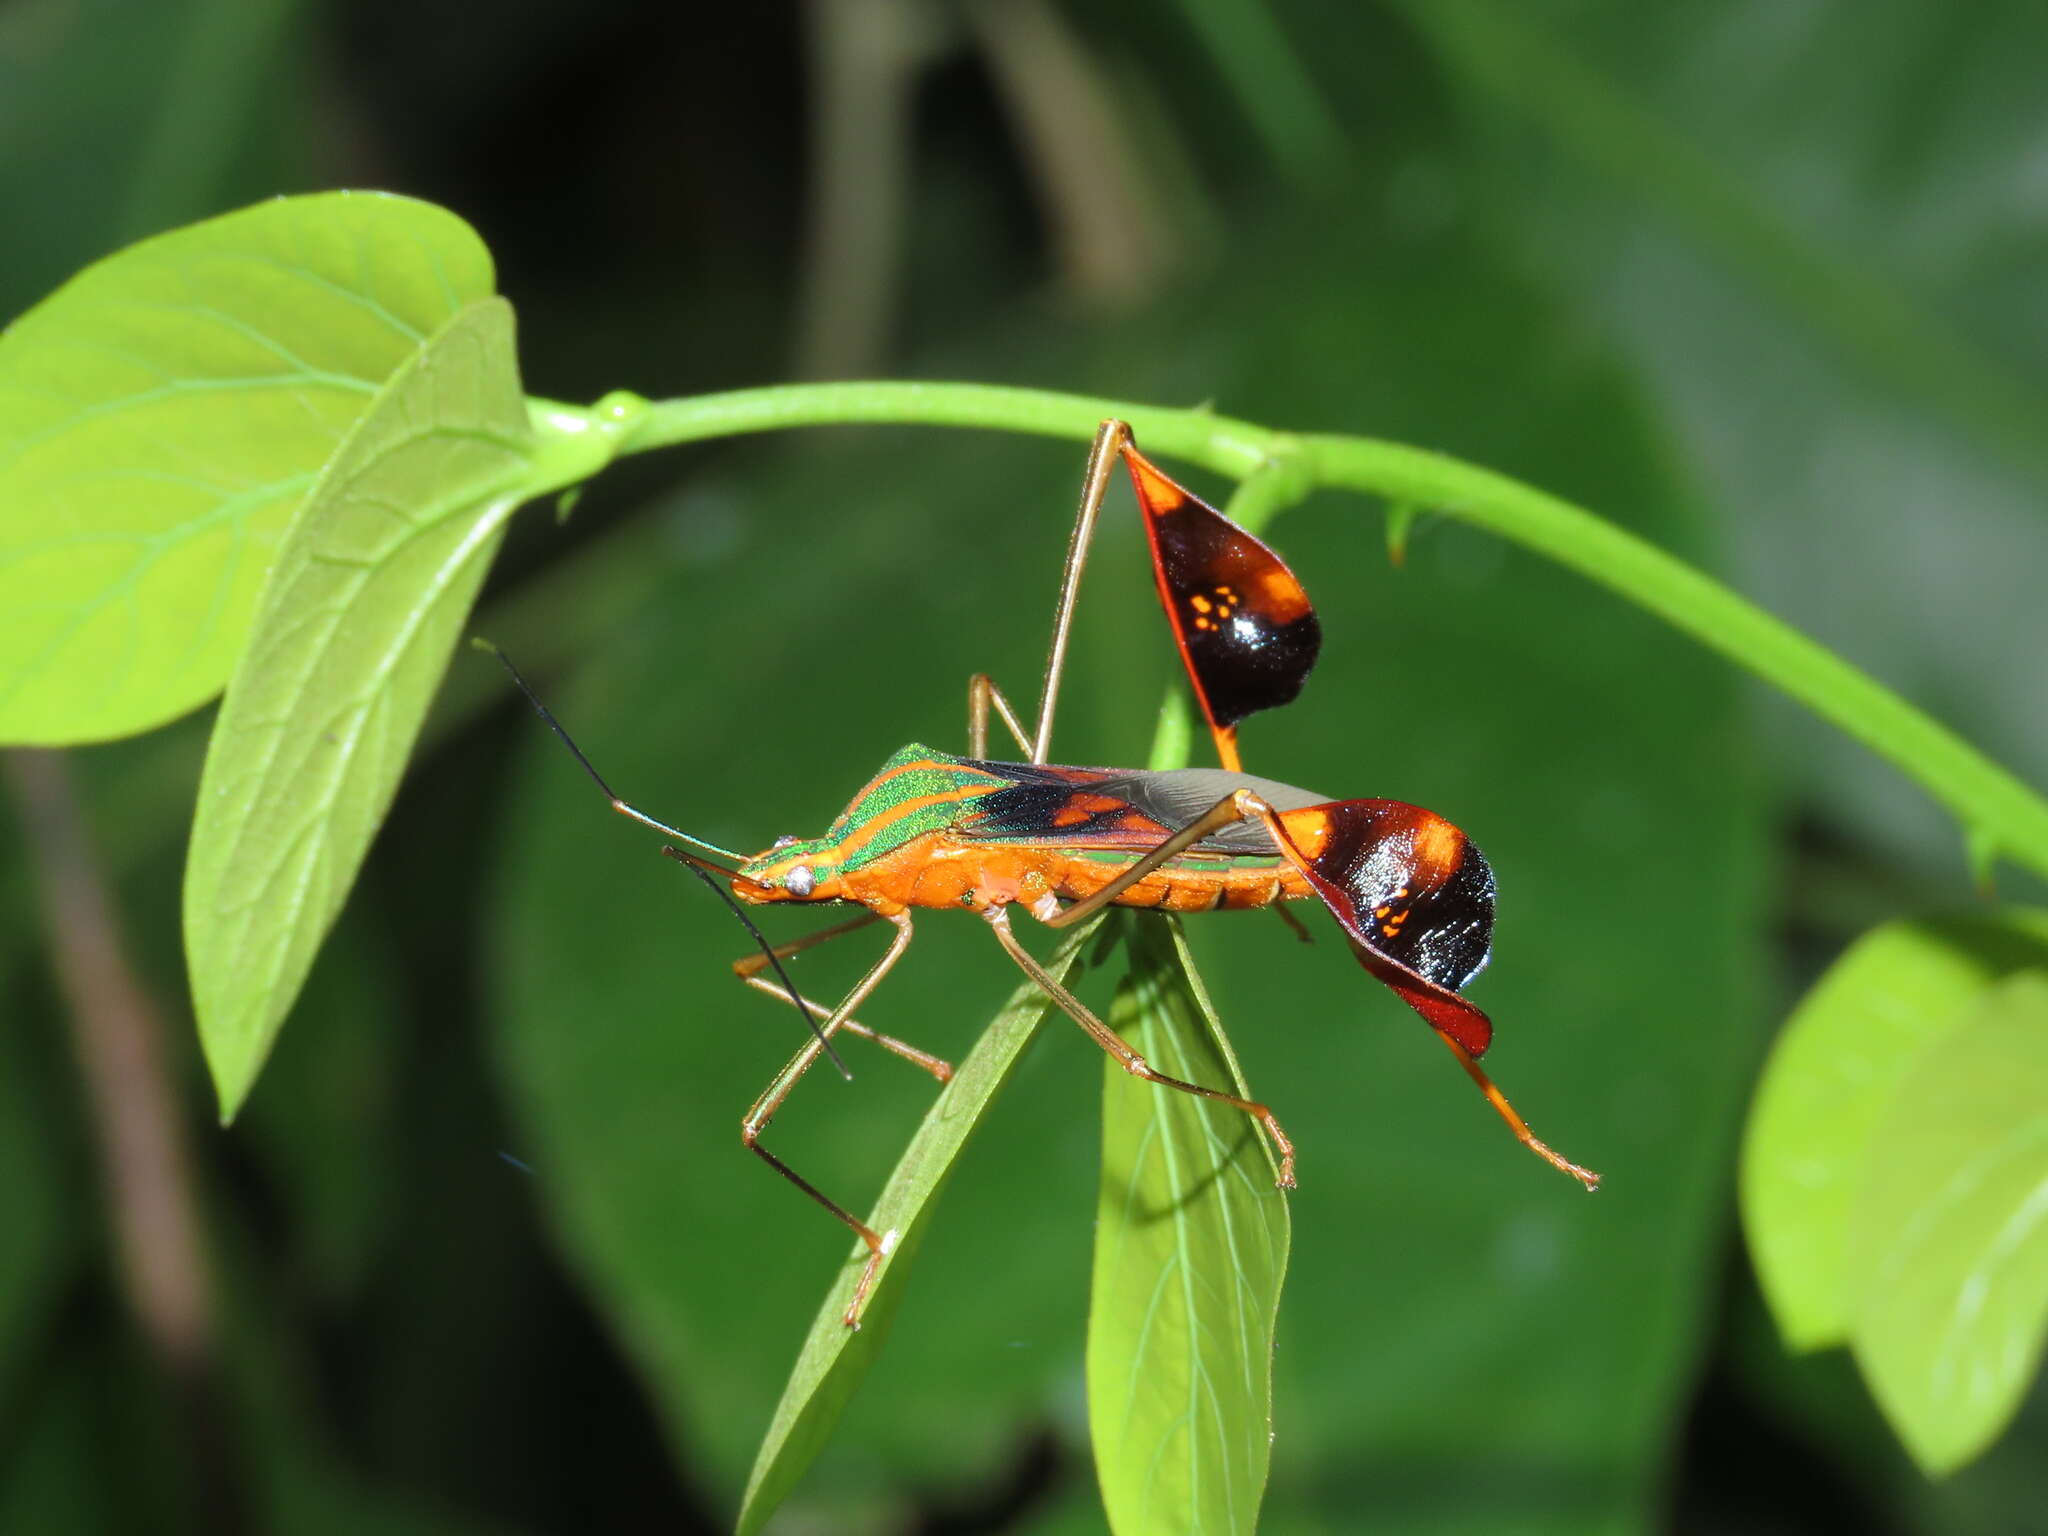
[(834, 1357), (164, 413), (1831, 1079), (1190, 1250), (367, 598), (1949, 1240)]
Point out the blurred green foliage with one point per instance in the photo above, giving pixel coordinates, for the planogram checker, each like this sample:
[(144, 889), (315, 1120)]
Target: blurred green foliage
[(1754, 281)]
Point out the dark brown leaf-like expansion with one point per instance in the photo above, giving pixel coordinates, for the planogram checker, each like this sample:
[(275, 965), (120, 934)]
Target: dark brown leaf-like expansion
[(1415, 898), (1247, 633)]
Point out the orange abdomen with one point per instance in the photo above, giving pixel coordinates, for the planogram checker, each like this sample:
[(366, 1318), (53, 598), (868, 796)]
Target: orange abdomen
[(937, 871)]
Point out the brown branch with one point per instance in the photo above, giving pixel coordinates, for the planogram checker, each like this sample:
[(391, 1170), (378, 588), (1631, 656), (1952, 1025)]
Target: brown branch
[(865, 57), (1108, 230), (146, 1168)]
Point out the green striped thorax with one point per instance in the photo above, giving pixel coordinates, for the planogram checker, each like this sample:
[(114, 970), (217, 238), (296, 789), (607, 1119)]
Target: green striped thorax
[(918, 790)]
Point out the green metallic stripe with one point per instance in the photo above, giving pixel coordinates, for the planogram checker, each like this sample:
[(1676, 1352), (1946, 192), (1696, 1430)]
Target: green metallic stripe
[(887, 814)]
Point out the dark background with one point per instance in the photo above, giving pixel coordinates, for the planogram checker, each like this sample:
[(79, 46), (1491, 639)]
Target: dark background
[(1758, 281)]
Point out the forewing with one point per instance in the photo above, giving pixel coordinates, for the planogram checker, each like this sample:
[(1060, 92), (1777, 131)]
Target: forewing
[(1045, 804), (1121, 808)]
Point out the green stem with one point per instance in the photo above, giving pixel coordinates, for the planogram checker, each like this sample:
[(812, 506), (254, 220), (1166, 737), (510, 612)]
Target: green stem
[(1995, 808), (1234, 448), (1990, 802)]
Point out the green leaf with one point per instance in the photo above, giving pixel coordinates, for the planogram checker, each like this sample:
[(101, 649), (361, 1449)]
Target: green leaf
[(164, 413), (1190, 1247), (369, 592), (1949, 1237), (834, 1357), (1832, 1078)]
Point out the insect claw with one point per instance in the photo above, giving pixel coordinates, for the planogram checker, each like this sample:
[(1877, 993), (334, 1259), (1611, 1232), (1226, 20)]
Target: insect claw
[(879, 1249)]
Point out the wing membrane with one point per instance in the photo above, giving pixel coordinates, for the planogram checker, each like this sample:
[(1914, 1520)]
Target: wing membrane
[(1120, 807)]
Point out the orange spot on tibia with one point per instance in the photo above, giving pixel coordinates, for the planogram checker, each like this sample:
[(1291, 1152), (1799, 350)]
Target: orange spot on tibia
[(1439, 848), (1159, 494), (1308, 829)]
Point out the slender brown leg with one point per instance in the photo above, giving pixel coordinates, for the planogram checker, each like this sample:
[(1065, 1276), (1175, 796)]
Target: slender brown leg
[(937, 1066), (749, 967), (1516, 1123), (981, 690), (1255, 806), (1234, 807), (1133, 1063), (879, 1245), (1109, 439), (981, 693), (753, 963), (1294, 924)]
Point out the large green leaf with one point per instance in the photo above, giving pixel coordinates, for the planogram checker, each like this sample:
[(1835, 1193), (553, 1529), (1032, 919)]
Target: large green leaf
[(1835, 1074), (164, 413), (366, 600), (1190, 1248), (835, 1358), (1948, 1244)]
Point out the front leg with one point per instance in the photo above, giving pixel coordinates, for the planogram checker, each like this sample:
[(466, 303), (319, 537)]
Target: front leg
[(879, 1244), (748, 969)]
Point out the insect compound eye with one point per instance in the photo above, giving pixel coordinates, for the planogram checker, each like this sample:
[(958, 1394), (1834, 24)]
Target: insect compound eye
[(800, 882)]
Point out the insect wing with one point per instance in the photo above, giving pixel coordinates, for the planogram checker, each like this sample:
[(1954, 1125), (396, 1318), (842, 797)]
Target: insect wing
[(1413, 895), (1246, 630), (1045, 804), (1122, 807)]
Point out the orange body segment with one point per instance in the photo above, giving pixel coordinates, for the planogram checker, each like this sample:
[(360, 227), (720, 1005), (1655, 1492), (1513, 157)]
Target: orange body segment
[(938, 871)]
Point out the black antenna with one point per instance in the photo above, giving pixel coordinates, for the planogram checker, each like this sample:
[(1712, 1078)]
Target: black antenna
[(691, 861), (734, 860), (683, 858)]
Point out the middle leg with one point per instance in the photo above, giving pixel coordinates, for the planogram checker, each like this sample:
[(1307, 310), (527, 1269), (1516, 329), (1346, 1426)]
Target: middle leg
[(1133, 1063), (879, 1244), (748, 969)]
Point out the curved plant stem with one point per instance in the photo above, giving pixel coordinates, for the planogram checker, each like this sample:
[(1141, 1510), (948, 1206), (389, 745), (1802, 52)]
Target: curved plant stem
[(1996, 810), (1234, 448)]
